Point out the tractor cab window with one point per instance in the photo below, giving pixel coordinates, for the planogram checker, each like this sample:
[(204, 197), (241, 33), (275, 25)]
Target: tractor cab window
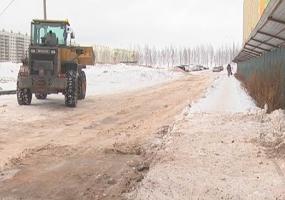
[(48, 34)]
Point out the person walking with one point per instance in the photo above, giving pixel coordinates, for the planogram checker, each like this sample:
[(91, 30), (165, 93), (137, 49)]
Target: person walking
[(229, 69)]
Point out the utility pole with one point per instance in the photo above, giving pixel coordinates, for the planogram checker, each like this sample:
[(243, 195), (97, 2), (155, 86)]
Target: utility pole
[(45, 10)]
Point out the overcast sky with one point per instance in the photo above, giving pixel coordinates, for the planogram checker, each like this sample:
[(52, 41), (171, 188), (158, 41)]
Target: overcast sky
[(122, 23)]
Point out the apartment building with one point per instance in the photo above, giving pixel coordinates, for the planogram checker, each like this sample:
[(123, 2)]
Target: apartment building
[(13, 46)]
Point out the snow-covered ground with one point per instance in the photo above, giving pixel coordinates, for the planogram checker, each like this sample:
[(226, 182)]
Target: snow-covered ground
[(8, 75), (225, 95), (108, 79), (103, 79), (222, 147)]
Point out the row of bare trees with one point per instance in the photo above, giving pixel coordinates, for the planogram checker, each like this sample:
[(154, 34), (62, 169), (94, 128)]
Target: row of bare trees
[(170, 56)]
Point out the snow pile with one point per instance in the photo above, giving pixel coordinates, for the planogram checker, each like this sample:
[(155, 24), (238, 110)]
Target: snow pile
[(108, 79), (225, 95), (215, 147), (272, 133), (8, 75), (213, 141), (102, 79)]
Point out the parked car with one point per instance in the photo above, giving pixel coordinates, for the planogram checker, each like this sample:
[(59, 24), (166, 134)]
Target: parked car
[(185, 68), (197, 68), (200, 67), (218, 69)]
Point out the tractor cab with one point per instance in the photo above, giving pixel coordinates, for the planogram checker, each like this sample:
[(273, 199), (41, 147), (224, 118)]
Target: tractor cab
[(50, 33)]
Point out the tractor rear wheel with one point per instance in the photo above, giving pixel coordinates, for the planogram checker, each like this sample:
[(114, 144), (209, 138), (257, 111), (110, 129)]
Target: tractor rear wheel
[(81, 85), (41, 96), (71, 90), (24, 96)]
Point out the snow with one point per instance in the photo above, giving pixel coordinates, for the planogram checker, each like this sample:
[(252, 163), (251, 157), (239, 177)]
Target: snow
[(8, 75), (109, 79), (224, 139), (103, 79), (216, 147), (225, 95)]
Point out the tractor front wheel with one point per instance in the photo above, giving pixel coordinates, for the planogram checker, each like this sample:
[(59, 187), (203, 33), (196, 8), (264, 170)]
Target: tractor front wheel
[(71, 90), (24, 96)]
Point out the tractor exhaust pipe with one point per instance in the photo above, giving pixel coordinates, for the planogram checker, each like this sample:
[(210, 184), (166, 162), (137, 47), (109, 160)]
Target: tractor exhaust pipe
[(45, 10)]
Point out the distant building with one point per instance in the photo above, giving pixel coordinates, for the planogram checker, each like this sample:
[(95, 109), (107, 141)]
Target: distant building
[(13, 46), (108, 55)]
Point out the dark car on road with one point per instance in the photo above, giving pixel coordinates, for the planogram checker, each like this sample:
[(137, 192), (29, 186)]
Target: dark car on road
[(218, 69)]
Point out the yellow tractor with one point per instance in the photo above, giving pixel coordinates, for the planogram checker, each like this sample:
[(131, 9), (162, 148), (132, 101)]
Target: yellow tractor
[(53, 64)]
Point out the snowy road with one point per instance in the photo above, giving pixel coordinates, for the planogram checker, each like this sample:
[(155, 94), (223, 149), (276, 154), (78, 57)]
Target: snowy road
[(220, 147), (95, 151), (225, 95), (214, 151)]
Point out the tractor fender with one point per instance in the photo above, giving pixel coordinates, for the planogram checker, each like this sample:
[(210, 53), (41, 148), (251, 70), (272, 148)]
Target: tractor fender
[(70, 66)]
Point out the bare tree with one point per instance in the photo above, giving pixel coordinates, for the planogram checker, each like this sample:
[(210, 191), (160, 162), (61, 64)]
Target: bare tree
[(169, 56)]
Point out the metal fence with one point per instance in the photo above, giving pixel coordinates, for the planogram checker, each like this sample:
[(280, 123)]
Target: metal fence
[(263, 64), (268, 69)]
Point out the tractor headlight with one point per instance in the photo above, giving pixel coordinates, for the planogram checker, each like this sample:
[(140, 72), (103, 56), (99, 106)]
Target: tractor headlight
[(33, 51), (53, 51)]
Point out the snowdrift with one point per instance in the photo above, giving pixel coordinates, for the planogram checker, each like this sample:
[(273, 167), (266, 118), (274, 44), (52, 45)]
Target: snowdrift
[(8, 75), (103, 79)]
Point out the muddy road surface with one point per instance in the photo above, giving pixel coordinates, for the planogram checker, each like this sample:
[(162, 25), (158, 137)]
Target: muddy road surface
[(99, 150)]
